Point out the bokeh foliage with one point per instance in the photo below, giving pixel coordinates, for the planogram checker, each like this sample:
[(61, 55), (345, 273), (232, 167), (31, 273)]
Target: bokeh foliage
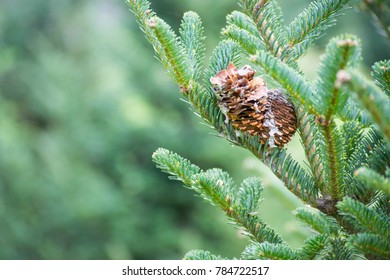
[(83, 105)]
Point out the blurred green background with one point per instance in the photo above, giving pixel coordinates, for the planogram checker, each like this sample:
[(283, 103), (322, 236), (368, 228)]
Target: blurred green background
[(83, 105)]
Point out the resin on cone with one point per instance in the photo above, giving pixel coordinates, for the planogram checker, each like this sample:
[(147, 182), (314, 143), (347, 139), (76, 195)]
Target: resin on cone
[(252, 108)]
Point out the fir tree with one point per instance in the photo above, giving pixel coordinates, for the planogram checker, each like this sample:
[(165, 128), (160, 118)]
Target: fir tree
[(343, 120)]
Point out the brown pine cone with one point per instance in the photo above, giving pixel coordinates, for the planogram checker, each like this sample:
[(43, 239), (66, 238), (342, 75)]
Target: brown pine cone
[(252, 108)]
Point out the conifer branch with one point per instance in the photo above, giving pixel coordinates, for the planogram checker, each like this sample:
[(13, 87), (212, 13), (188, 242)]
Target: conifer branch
[(335, 161), (375, 102), (310, 25), (295, 178), (369, 150), (268, 17), (244, 217), (313, 246), (290, 79), (269, 251), (352, 134), (371, 245), (380, 202), (202, 255), (301, 92), (192, 38), (363, 218), (341, 52), (318, 221), (143, 13), (373, 179), (170, 51), (355, 207), (352, 112), (311, 135), (241, 28), (216, 187), (251, 45), (244, 22), (179, 168), (238, 34), (166, 44), (250, 194), (381, 74), (337, 250)]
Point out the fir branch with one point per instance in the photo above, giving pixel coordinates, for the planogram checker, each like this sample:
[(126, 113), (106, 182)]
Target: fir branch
[(372, 179), (143, 13), (363, 218), (179, 168), (290, 79), (335, 161), (192, 38), (312, 139), (166, 44), (372, 245), (352, 111), (311, 24), (341, 52), (338, 250), (334, 152), (225, 52), (254, 226), (322, 247), (250, 193), (352, 134), (202, 255), (240, 210), (380, 203), (240, 35), (381, 74), (370, 150), (319, 221), (375, 102), (217, 188), (170, 51), (296, 179), (250, 6), (244, 22), (268, 251), (380, 155), (213, 189), (313, 246), (268, 17)]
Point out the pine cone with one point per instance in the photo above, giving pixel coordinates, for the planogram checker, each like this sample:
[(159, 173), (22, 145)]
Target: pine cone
[(252, 108)]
